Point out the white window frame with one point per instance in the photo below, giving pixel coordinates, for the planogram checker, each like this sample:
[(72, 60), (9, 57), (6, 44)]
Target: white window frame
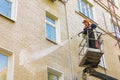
[(102, 62), (55, 71), (106, 17), (56, 26), (116, 29), (52, 25), (14, 4), (88, 9), (10, 66)]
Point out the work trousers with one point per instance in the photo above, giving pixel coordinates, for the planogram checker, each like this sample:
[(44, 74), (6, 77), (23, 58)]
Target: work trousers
[(91, 40)]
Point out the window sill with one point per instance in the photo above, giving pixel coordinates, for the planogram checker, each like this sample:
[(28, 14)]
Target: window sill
[(84, 16), (6, 52), (7, 17), (51, 41)]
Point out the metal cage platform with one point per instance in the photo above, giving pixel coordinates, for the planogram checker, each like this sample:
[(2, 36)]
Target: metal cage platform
[(90, 56)]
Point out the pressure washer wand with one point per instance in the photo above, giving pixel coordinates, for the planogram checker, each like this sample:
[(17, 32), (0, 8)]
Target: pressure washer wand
[(76, 35)]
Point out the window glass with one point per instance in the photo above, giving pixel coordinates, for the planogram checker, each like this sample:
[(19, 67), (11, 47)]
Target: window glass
[(51, 33), (85, 8), (3, 66), (5, 8), (50, 20), (52, 76)]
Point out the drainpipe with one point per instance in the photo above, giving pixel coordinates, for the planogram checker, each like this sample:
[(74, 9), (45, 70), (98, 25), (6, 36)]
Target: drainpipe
[(68, 34)]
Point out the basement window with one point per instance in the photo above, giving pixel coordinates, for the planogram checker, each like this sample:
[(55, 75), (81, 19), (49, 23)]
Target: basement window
[(54, 74)]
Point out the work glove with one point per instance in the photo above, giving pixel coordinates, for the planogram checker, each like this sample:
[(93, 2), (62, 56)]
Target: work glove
[(79, 34)]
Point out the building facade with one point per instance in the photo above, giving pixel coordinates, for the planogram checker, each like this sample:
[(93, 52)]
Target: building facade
[(39, 41)]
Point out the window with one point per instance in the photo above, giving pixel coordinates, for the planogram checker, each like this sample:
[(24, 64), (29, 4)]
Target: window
[(5, 7), (53, 74), (50, 29), (115, 29), (6, 65), (85, 8), (107, 22), (8, 8), (3, 66)]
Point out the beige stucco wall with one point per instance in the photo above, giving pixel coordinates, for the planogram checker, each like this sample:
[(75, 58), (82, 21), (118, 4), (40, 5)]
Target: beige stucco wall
[(33, 53)]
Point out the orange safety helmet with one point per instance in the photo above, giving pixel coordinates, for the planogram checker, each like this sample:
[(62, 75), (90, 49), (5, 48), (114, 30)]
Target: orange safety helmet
[(86, 20)]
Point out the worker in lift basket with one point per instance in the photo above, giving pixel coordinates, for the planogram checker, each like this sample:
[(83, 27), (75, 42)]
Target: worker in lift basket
[(88, 30)]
